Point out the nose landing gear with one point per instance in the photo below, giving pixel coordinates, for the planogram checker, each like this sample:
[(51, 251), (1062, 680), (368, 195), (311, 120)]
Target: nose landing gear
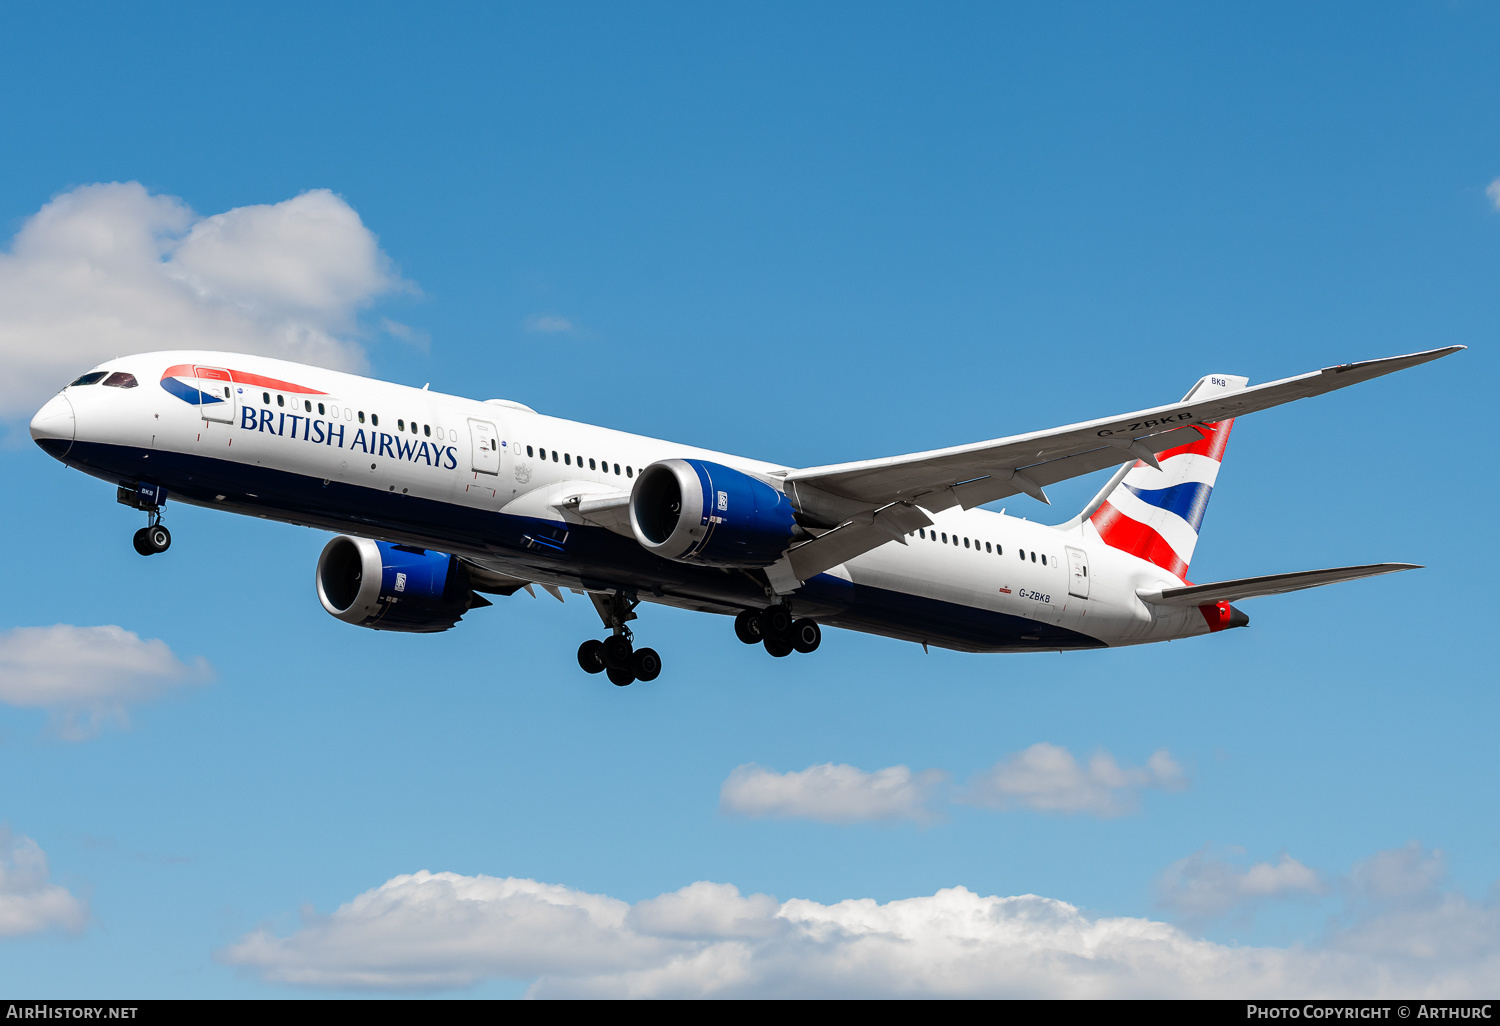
[(150, 498), (148, 541), (616, 656)]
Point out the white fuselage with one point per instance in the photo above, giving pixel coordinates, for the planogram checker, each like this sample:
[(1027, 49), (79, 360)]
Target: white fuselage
[(318, 447)]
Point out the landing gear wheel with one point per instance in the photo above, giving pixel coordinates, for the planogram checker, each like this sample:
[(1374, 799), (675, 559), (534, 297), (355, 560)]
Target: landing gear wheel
[(591, 656), (747, 627), (616, 652), (775, 622), (141, 544), (806, 635), (645, 664), (620, 678), (778, 647), (158, 538)]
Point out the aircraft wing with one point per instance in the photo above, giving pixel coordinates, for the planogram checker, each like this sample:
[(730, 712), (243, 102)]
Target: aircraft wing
[(970, 475), (1274, 584)]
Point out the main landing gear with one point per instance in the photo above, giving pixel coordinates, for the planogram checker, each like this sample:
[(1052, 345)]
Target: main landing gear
[(616, 656), (774, 628)]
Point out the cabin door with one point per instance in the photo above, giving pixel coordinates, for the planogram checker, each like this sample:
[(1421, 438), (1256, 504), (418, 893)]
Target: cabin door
[(1078, 573), (215, 394), (485, 442)]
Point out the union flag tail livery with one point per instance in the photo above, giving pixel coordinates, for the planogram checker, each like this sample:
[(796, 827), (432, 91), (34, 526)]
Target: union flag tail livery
[(446, 499), (1155, 513)]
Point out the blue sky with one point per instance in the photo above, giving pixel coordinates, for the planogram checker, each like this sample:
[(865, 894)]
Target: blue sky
[(805, 236)]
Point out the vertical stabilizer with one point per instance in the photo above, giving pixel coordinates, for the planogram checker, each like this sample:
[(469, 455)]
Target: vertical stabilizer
[(1156, 514)]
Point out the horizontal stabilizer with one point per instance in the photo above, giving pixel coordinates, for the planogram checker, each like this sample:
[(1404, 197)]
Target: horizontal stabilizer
[(1273, 584)]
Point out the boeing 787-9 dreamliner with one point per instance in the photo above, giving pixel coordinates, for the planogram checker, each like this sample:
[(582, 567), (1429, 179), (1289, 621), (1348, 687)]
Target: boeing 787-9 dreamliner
[(438, 500)]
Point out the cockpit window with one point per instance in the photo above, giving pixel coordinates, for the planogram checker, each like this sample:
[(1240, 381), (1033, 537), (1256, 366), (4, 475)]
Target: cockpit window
[(120, 379), (91, 378)]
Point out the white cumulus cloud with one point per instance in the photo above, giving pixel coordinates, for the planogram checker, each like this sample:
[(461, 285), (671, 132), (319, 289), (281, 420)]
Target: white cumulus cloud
[(1201, 887), (110, 269), (439, 930), (831, 793), (1493, 192), (87, 676), (29, 901), (442, 930), (1047, 778)]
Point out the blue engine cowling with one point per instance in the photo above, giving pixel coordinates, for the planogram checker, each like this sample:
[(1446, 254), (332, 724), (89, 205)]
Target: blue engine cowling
[(694, 511), (393, 587)]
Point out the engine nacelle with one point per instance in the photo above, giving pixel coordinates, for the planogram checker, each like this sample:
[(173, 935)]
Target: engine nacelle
[(393, 587), (699, 512)]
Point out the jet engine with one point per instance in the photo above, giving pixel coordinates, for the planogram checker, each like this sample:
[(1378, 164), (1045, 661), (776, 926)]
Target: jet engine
[(393, 587), (693, 511)]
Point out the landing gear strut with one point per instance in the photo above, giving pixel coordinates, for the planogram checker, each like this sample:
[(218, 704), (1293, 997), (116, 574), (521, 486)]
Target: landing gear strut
[(616, 656), (774, 628), (154, 537)]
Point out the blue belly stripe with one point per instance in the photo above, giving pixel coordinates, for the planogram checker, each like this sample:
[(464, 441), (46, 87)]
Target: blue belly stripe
[(597, 557)]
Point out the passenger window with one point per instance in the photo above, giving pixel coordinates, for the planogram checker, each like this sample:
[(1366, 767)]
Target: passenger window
[(1033, 557), (120, 379), (1044, 561), (591, 463), (529, 452), (945, 537), (629, 472), (568, 458), (320, 409), (554, 455), (93, 378), (922, 533), (986, 546), (1022, 554), (617, 468), (427, 430), (265, 397), (307, 405), (361, 416), (374, 418), (281, 400), (413, 427), (998, 550), (400, 424), (966, 543)]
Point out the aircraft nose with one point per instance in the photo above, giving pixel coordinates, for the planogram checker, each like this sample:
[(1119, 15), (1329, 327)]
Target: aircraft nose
[(52, 427)]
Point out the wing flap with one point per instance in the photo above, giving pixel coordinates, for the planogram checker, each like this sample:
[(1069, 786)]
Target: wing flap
[(1273, 584)]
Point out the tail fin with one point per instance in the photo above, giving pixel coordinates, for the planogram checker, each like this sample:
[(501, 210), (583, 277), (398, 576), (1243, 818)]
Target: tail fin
[(1156, 514)]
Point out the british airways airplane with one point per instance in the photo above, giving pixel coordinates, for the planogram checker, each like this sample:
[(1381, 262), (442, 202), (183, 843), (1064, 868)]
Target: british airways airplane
[(440, 500)]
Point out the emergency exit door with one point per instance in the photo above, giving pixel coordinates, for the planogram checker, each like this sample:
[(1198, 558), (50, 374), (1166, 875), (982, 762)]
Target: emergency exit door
[(1078, 573), (486, 445)]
